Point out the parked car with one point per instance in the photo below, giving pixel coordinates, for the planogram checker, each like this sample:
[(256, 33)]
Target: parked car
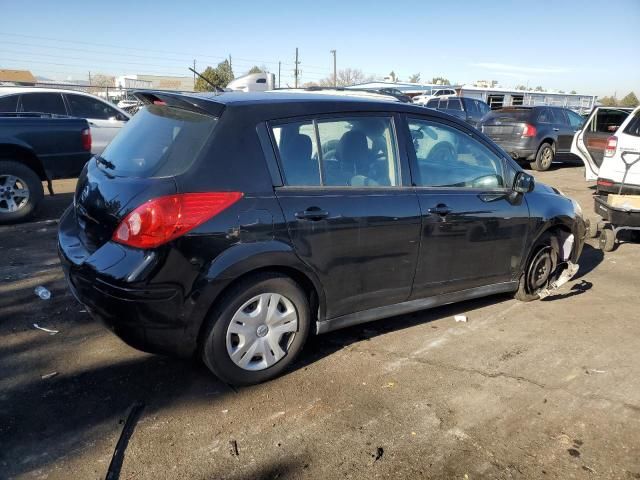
[(467, 109), (104, 119), (534, 135), (249, 221), (36, 148), (435, 92), (605, 134)]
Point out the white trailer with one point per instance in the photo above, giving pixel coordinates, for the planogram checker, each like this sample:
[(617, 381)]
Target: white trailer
[(497, 97), (254, 82)]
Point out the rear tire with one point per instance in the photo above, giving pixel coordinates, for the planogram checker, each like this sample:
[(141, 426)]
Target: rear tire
[(540, 268), (20, 192), (236, 329), (544, 158)]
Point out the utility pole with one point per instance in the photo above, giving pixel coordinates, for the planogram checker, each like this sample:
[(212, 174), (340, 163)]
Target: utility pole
[(279, 65), (89, 78), (335, 73), (296, 72), (230, 62), (194, 73)]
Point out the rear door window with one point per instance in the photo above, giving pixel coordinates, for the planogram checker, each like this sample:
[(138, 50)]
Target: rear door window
[(454, 104), (158, 141), (9, 103), (433, 103), (87, 107), (471, 107), (339, 152), (43, 102), (558, 116), (544, 116)]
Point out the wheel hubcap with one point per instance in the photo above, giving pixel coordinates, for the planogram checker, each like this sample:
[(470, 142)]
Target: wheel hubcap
[(547, 157), (14, 193), (261, 331)]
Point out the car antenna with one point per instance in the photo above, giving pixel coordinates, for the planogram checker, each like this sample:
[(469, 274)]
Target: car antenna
[(216, 89)]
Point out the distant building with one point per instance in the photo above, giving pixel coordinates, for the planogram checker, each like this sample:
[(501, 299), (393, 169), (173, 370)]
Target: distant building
[(18, 77), (157, 82)]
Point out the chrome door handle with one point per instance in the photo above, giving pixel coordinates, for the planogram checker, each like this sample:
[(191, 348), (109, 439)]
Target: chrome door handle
[(440, 209), (312, 214), (556, 129)]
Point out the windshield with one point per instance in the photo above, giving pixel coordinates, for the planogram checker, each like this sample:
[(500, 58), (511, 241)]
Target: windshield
[(158, 141)]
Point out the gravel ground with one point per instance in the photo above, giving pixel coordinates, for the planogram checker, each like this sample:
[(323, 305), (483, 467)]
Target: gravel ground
[(548, 389)]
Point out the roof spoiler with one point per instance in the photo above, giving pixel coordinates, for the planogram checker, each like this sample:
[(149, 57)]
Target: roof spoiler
[(179, 100)]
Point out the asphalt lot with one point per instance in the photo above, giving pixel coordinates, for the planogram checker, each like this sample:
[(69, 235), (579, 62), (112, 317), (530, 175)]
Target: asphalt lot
[(548, 389)]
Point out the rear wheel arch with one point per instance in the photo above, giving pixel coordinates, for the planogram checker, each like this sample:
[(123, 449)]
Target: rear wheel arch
[(309, 287), (17, 153), (550, 141)]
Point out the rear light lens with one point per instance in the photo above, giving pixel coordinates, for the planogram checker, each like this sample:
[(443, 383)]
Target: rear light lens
[(163, 219), (529, 131), (86, 139), (610, 149), (605, 183)]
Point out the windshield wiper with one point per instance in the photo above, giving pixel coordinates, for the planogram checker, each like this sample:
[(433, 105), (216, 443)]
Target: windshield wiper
[(105, 162)]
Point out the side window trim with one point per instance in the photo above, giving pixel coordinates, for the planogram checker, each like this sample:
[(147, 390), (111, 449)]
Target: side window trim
[(413, 159), (404, 179)]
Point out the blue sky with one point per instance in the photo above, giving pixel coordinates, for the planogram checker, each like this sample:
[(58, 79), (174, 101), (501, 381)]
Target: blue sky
[(591, 47)]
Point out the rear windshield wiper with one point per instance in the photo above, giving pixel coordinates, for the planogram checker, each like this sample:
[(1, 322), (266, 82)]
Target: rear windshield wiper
[(105, 162)]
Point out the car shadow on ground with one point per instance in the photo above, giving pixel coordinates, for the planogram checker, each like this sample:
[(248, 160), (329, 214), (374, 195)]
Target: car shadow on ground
[(44, 420)]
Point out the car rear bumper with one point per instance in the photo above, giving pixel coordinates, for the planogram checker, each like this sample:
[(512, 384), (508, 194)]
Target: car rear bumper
[(148, 315), (518, 149), (614, 187)]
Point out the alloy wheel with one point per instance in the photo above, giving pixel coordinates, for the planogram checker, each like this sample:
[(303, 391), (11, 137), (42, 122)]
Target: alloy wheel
[(14, 193)]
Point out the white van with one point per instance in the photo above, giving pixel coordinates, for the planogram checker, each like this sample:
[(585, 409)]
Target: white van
[(609, 138)]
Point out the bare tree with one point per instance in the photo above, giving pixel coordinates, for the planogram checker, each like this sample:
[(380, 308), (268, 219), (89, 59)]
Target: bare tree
[(100, 80), (346, 77), (415, 78)]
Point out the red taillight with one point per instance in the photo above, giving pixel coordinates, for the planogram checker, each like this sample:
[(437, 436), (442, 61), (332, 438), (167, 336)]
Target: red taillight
[(605, 183), (163, 219), (86, 139), (610, 149), (529, 130)]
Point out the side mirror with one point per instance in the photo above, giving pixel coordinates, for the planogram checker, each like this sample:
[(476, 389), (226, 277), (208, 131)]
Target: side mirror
[(523, 183)]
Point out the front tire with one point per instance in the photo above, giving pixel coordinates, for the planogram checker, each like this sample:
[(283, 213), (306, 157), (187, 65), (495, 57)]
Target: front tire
[(540, 269), (20, 192), (544, 158), (257, 330)]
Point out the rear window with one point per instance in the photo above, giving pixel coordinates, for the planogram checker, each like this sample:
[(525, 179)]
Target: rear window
[(608, 121), (633, 127), (510, 116), (158, 141)]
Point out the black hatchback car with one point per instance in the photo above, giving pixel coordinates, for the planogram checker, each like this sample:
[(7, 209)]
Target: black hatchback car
[(233, 226), (533, 135)]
